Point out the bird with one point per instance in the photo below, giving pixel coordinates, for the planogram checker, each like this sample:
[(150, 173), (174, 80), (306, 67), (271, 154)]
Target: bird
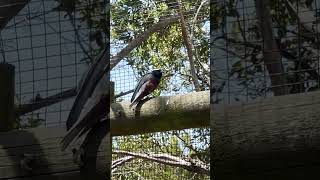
[(92, 100), (147, 84)]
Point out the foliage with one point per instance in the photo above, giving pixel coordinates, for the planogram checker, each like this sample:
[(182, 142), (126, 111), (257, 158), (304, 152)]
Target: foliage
[(180, 143), (164, 49)]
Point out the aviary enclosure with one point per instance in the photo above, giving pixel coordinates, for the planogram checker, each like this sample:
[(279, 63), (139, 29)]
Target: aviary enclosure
[(264, 81), (264, 93), (174, 154), (51, 44)]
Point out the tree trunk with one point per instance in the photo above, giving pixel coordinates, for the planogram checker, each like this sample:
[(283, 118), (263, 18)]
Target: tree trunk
[(271, 53)]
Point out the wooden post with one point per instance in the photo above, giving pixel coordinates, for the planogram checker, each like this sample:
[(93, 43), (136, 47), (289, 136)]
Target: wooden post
[(7, 121), (112, 92)]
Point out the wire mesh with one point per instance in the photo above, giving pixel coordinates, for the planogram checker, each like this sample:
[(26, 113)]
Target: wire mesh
[(50, 49), (263, 48), (129, 21)]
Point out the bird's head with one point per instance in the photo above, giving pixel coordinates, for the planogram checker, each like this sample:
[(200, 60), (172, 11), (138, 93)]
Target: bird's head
[(157, 73)]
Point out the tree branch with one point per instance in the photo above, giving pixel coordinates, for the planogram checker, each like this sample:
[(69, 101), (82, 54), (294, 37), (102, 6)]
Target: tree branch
[(123, 93), (271, 53), (119, 162), (160, 114), (166, 159), (38, 104), (195, 18), (140, 39), (189, 47), (305, 19)]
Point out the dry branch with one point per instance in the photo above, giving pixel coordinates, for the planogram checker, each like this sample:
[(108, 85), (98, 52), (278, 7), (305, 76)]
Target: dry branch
[(166, 159), (38, 104), (123, 93), (189, 47), (119, 162)]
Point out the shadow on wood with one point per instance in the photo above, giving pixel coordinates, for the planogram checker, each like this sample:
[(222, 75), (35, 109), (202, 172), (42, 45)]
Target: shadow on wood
[(51, 162), (16, 144), (273, 138)]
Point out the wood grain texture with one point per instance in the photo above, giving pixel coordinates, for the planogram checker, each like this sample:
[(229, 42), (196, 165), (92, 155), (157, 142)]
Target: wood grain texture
[(44, 144), (163, 113), (273, 138)]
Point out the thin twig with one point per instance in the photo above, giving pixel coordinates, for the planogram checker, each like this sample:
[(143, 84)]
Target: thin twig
[(124, 93), (195, 18)]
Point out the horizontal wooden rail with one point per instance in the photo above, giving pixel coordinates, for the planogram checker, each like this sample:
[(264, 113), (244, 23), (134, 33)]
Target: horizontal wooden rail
[(272, 138)]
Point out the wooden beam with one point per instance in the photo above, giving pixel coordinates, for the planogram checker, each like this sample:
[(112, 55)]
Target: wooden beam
[(273, 138), (163, 113), (7, 118), (44, 145)]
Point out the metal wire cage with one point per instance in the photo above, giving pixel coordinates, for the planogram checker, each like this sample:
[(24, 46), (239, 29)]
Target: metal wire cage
[(263, 48), (50, 44)]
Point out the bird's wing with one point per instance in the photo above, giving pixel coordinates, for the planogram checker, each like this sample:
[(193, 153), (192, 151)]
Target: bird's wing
[(91, 113), (96, 71), (142, 81)]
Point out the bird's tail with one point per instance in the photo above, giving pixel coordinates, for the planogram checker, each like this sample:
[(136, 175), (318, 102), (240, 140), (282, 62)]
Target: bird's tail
[(72, 134)]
